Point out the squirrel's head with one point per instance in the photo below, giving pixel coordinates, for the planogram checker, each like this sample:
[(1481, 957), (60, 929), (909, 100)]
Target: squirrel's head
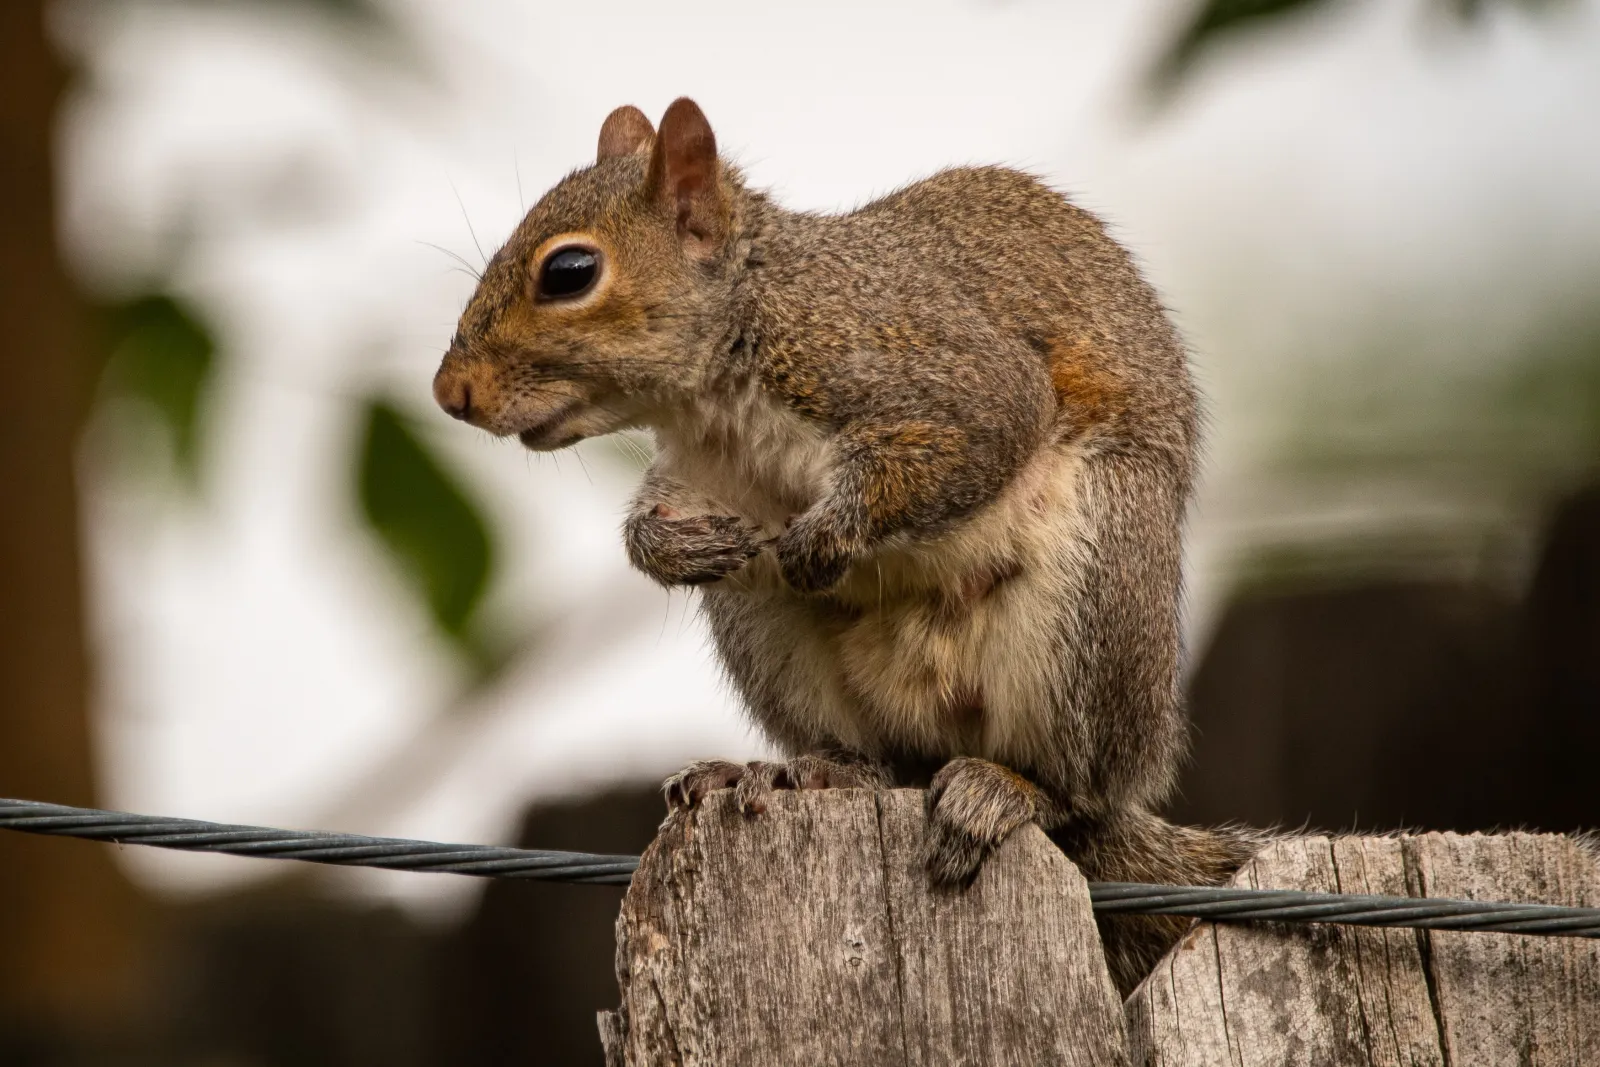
[(608, 298)]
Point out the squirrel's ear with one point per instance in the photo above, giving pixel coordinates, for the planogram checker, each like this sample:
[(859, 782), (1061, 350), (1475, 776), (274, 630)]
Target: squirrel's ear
[(685, 178), (624, 132)]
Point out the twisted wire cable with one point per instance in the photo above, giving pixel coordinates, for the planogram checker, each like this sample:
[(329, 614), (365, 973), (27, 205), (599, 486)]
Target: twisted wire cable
[(349, 850), (491, 861), (1352, 909)]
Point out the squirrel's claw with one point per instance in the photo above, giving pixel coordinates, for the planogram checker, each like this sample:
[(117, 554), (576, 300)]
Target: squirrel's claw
[(759, 780), (973, 805), (689, 786), (752, 782), (802, 772), (825, 772)]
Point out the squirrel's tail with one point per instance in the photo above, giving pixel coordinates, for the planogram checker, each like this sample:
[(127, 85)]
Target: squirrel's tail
[(1140, 846)]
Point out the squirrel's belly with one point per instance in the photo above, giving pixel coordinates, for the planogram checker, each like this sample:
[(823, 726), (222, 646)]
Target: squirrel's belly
[(978, 682), (955, 646), (970, 666)]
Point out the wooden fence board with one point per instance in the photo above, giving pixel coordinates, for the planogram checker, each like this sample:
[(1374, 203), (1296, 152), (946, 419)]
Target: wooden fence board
[(809, 935), (1242, 995)]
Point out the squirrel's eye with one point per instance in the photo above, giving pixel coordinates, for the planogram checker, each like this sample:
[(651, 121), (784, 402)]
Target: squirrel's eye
[(568, 272)]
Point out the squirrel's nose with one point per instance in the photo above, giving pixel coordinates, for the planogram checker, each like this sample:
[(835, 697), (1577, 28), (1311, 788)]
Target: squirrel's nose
[(454, 394)]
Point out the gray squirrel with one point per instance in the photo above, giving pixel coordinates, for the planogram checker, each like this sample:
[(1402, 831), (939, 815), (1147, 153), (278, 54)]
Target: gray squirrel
[(927, 462)]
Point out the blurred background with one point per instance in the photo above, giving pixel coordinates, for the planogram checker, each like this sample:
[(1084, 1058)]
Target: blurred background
[(250, 574)]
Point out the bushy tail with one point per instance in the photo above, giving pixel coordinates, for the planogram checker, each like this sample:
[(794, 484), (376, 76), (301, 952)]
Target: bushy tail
[(1143, 847)]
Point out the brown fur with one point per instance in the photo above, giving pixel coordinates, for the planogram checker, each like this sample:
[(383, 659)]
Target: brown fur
[(928, 461), (1081, 385)]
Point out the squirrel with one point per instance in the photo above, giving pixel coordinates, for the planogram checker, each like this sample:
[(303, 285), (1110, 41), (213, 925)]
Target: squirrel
[(927, 462)]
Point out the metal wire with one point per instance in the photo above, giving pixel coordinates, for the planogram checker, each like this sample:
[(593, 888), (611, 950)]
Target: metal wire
[(1290, 905), (350, 850), (490, 861)]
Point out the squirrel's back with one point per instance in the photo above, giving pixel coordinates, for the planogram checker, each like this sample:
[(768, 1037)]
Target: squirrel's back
[(976, 254)]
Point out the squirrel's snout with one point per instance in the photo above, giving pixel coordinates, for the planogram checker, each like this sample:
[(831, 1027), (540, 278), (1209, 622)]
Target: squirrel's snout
[(453, 391)]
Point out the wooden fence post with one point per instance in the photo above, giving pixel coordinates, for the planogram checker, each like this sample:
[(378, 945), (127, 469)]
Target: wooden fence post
[(1281, 995), (809, 935)]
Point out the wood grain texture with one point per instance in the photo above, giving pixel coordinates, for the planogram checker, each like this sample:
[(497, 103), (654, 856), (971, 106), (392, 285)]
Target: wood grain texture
[(809, 935), (1242, 995)]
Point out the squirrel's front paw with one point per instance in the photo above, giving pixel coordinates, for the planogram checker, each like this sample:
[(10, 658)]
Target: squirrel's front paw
[(813, 553), (692, 549), (973, 805)]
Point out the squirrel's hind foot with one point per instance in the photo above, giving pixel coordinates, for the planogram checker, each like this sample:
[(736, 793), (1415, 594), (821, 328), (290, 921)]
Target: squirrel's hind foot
[(974, 805)]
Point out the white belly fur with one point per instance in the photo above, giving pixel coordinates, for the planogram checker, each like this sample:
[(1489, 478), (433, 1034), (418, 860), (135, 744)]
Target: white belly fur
[(910, 650)]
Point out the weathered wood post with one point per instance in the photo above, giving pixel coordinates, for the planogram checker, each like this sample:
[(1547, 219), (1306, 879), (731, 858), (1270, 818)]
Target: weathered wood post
[(1271, 994), (809, 935)]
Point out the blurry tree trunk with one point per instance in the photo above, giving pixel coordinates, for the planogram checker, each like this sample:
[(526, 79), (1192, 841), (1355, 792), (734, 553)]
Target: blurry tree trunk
[(67, 940)]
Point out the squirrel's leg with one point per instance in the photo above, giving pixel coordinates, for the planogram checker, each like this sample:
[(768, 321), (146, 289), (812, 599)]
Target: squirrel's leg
[(671, 536), (752, 782), (927, 433), (973, 805), (887, 477)]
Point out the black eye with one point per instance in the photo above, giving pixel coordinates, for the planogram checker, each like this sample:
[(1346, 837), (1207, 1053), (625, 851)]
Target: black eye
[(568, 272)]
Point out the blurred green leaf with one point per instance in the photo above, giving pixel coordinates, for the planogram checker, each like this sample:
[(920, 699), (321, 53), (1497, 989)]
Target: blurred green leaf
[(163, 353), (356, 14), (1471, 9), (362, 11), (425, 518), (1215, 19), (368, 27)]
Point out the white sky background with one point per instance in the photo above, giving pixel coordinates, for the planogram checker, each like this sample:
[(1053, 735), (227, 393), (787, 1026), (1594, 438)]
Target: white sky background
[(255, 654)]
